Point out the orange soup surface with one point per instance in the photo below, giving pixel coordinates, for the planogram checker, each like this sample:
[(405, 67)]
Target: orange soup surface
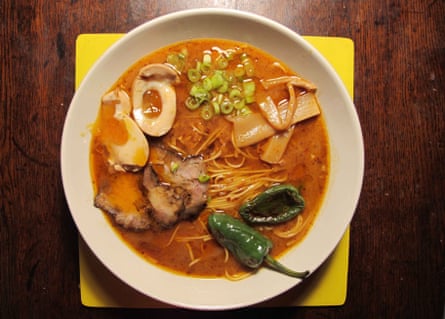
[(236, 174)]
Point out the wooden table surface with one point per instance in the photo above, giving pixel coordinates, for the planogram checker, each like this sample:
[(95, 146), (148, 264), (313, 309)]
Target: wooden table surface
[(397, 235)]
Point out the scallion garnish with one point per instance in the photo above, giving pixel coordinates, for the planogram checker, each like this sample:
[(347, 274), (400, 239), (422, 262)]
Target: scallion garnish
[(207, 111), (203, 178), (193, 75), (222, 83)]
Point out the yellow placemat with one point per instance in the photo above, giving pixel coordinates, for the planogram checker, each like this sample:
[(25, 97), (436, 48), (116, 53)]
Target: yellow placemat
[(326, 287)]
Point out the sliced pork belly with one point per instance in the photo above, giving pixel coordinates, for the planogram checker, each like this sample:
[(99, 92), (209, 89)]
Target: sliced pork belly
[(173, 186)]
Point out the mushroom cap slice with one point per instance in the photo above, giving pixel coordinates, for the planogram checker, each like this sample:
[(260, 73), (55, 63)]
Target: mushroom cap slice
[(159, 78), (159, 72), (120, 99)]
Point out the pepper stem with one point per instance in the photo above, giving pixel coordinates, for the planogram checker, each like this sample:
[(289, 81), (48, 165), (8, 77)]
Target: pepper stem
[(274, 264)]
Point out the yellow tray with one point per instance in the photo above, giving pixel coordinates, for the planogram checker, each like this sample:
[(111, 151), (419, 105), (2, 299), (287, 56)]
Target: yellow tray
[(326, 287)]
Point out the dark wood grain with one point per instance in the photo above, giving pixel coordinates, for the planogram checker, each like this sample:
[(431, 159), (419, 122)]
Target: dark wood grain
[(397, 254)]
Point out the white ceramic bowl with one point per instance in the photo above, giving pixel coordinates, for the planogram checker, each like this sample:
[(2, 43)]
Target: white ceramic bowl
[(345, 139)]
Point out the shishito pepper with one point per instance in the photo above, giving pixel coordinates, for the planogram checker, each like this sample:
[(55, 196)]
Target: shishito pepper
[(248, 246), (275, 205)]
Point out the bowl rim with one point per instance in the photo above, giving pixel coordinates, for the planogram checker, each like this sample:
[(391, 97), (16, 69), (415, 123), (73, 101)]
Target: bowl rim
[(66, 167)]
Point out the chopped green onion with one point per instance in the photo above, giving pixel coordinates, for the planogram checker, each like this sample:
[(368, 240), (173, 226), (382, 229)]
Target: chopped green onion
[(249, 91), (250, 70), (193, 75), (244, 57), (239, 104), (249, 88), (172, 59), (207, 112), (174, 167), (177, 60), (228, 76), (226, 107), (244, 111), (206, 65), (224, 87), (184, 52), (207, 59), (239, 71), (199, 93), (248, 64), (249, 99), (216, 107), (205, 68), (191, 103), (222, 62), (207, 84), (219, 98), (229, 54), (216, 90), (234, 93), (203, 178), (217, 79)]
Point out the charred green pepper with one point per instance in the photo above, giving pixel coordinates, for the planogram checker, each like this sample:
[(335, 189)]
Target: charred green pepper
[(248, 246), (275, 205)]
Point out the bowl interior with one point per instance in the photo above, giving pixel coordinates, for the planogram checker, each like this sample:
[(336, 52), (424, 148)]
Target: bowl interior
[(346, 171)]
